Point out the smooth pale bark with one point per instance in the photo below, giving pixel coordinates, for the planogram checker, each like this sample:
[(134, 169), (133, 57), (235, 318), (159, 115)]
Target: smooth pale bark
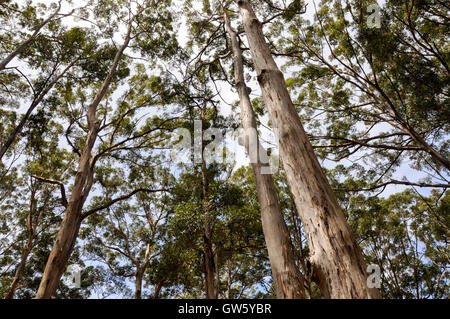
[(36, 101), (287, 278), (68, 232), (336, 259)]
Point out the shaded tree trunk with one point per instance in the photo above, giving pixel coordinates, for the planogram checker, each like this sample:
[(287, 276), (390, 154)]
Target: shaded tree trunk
[(217, 272), (207, 234), (68, 232), (31, 235), (18, 274), (138, 284), (158, 288), (336, 260), (140, 269), (287, 278)]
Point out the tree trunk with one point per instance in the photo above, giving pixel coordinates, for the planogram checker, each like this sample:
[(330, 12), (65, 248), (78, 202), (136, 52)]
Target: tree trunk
[(138, 284), (287, 278), (336, 259), (209, 262), (207, 236), (31, 235), (158, 288), (67, 235), (62, 249)]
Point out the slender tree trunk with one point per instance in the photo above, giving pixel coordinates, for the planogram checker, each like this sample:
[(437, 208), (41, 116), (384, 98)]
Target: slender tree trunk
[(209, 262), (158, 288), (138, 284), (18, 275), (140, 269), (207, 237), (336, 259), (217, 272), (229, 283), (31, 235), (28, 41), (287, 278), (68, 232)]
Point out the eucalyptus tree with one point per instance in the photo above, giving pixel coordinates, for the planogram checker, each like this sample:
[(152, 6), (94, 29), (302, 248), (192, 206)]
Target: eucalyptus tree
[(127, 239), (314, 200), (32, 211), (406, 235), (336, 259), (212, 54), (48, 54), (205, 168), (144, 23), (127, 236)]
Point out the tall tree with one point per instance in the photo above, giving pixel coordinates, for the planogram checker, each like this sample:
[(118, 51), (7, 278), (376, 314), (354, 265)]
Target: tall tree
[(239, 254), (336, 259), (136, 27), (287, 278)]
